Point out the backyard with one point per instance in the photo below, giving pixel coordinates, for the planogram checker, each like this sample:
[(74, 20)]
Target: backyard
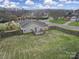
[(39, 29), (58, 21), (74, 24), (52, 45)]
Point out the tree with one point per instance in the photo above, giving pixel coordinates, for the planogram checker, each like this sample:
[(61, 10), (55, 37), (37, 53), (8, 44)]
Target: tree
[(13, 26), (12, 17)]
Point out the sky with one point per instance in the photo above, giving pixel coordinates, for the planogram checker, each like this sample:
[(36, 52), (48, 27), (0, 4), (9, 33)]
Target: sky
[(40, 4)]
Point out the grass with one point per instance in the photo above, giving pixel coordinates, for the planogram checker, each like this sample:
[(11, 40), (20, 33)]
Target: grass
[(58, 21), (52, 45), (3, 26), (74, 24)]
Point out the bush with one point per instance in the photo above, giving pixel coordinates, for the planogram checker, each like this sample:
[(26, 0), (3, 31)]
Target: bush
[(9, 26), (13, 26), (61, 18), (58, 21)]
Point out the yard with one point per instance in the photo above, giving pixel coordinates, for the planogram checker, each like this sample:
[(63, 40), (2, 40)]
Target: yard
[(74, 24), (3, 26), (52, 45), (58, 21)]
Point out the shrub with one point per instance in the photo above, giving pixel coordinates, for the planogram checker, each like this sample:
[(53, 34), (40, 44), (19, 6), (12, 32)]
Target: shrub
[(13, 26), (58, 21), (9, 26)]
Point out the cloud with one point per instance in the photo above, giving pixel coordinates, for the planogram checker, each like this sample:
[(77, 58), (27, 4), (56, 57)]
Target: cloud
[(1, 0), (75, 2), (63, 0), (24, 7), (60, 5), (29, 2), (70, 1), (49, 7), (35, 6), (6, 3), (49, 2), (1, 5), (9, 4), (12, 5), (39, 6)]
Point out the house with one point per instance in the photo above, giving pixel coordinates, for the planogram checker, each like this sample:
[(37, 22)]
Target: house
[(35, 27), (38, 30), (73, 16), (77, 19), (3, 20)]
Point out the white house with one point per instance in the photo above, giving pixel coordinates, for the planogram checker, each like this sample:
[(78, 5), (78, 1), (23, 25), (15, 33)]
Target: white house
[(36, 27), (73, 18)]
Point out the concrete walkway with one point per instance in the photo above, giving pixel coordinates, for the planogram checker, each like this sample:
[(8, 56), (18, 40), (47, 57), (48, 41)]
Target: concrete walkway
[(65, 26), (67, 22)]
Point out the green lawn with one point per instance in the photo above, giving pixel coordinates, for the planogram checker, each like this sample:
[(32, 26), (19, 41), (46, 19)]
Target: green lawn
[(58, 21), (52, 45), (3, 26), (74, 24)]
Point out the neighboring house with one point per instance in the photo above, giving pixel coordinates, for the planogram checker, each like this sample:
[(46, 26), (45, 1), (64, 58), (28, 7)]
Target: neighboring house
[(77, 19), (3, 20), (73, 18), (36, 27), (68, 15)]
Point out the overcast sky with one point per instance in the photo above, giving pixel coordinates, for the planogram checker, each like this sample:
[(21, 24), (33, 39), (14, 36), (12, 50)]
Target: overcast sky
[(40, 4)]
